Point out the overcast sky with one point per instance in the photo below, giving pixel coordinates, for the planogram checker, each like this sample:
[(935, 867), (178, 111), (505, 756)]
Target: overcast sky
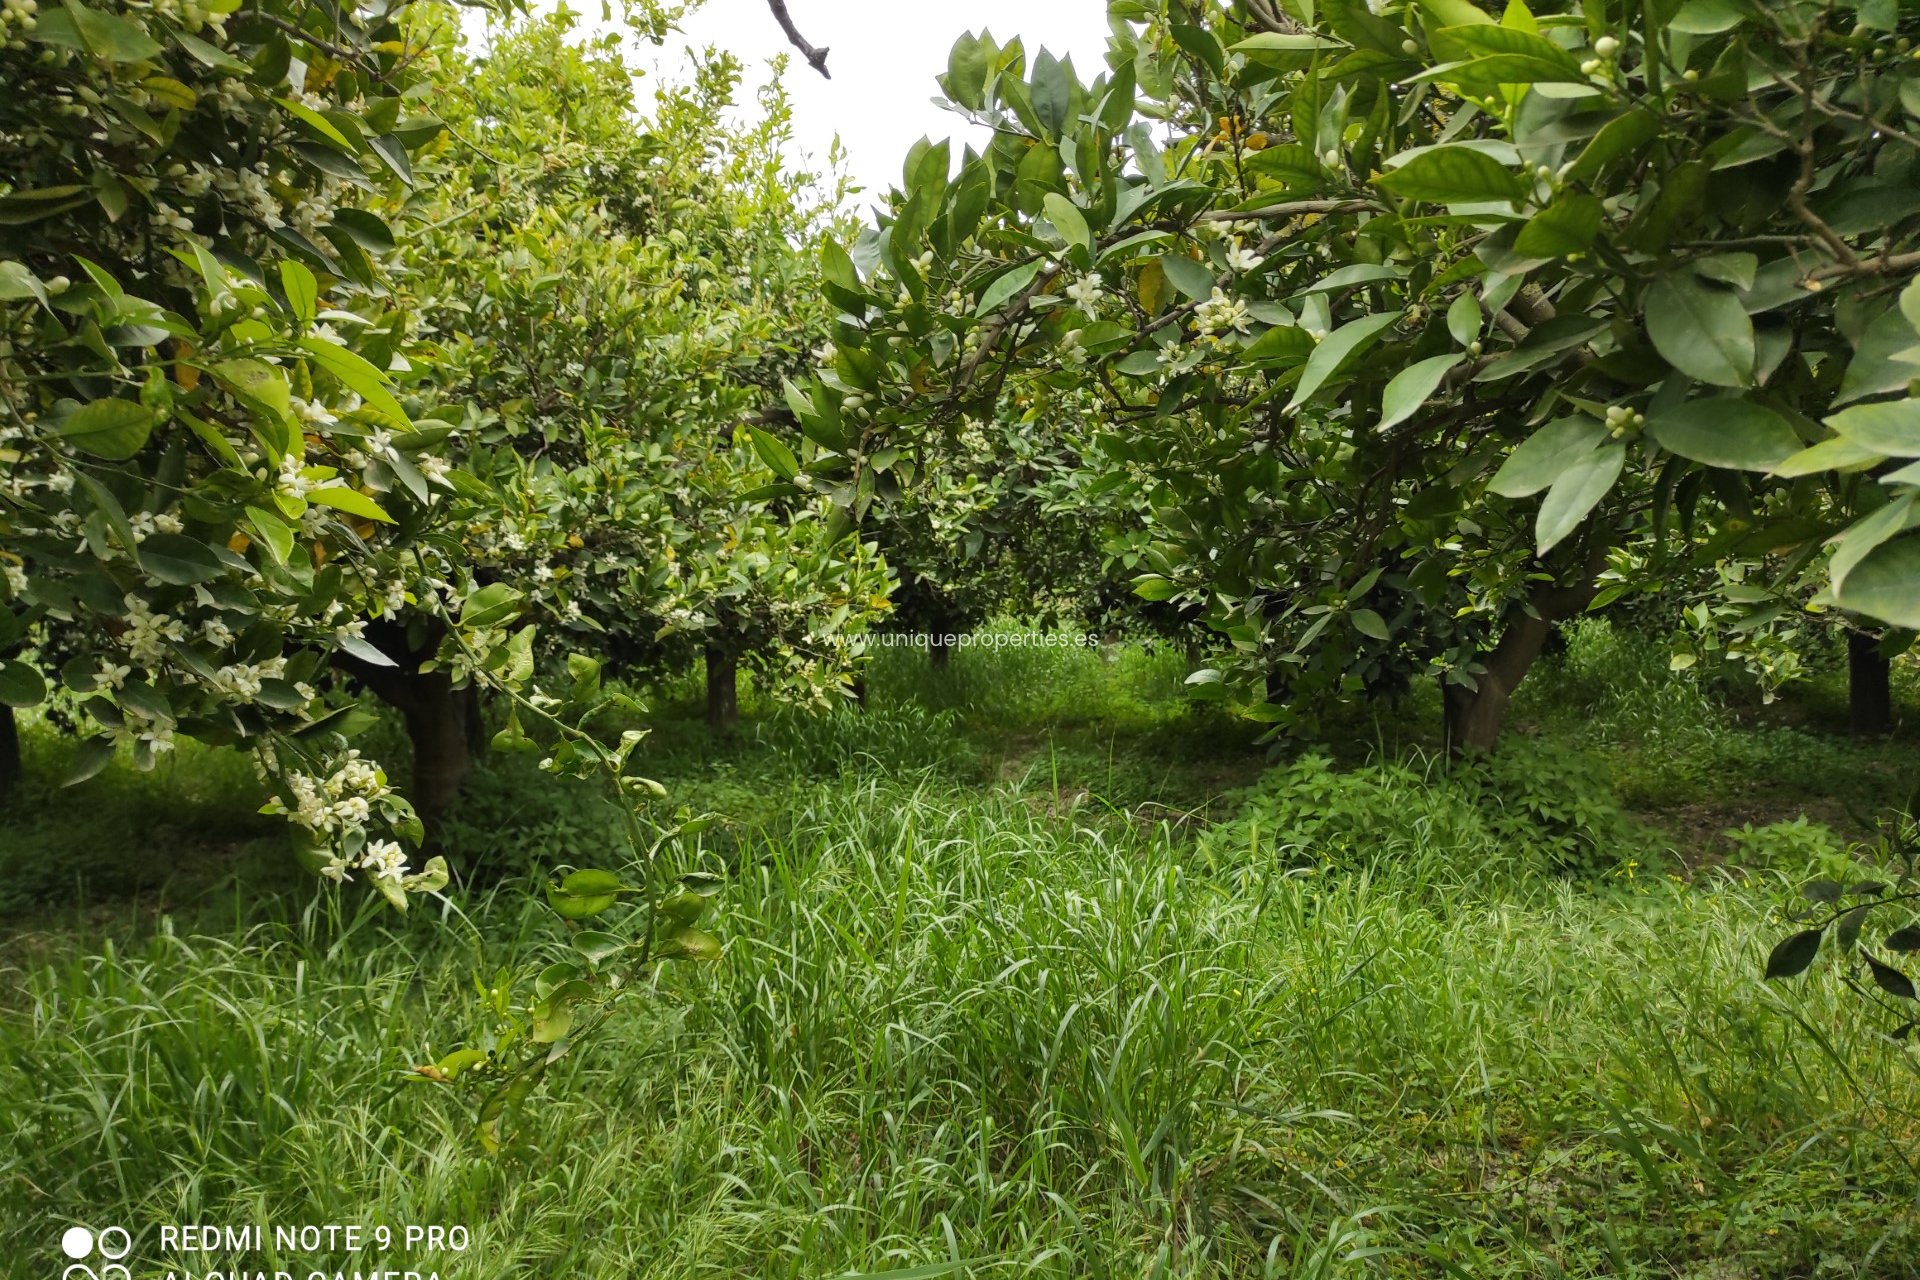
[(884, 57)]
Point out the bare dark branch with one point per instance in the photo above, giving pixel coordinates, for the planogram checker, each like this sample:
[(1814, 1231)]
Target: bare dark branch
[(817, 58)]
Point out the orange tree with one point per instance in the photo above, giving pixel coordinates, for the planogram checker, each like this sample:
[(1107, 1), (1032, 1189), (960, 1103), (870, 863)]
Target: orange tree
[(1421, 327)]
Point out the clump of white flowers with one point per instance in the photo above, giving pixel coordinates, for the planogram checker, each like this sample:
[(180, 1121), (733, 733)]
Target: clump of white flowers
[(1241, 259), (148, 632), (335, 813), (1222, 313), (1085, 293)]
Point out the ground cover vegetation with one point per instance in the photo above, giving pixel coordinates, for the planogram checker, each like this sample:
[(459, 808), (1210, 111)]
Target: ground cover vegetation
[(1450, 473)]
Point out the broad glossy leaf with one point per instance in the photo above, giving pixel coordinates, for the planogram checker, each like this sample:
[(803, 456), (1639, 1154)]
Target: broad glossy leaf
[(1887, 359), (1891, 427), (111, 36), (351, 501), (1837, 454), (358, 375), (1285, 51), (1793, 955), (302, 290), (491, 605), (1498, 54), (1336, 349), (110, 429), (1888, 978), (1464, 318), (1624, 135), (1006, 285), (1411, 387), (1546, 455), (1886, 583), (21, 685), (1069, 221), (1726, 431), (1453, 175), (258, 383), (1578, 490), (1561, 230), (1188, 276), (1859, 541), (180, 560), (774, 452), (1702, 331)]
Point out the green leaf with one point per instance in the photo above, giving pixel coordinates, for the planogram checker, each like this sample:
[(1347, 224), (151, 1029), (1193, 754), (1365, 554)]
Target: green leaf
[(1624, 135), (1453, 175), (1892, 519), (491, 605), (1578, 490), (357, 375), (110, 429), (303, 291), (1464, 318), (112, 37), (1886, 584), (318, 123), (1890, 427), (688, 944), (351, 501), (587, 893), (1886, 358), (597, 946), (1837, 454), (1284, 51), (1888, 978), (89, 758), (1154, 587), (1793, 955), (1068, 221), (1561, 230), (1338, 347), (17, 283), (1905, 938), (258, 384), (1369, 623), (1725, 431), (182, 561), (1188, 276), (1411, 387), (1452, 13), (1293, 166), (1702, 331), (1706, 17), (21, 685), (1545, 456), (1006, 285), (774, 453), (1496, 55)]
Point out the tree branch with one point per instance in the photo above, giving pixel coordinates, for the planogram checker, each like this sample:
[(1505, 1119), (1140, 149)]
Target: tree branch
[(817, 58)]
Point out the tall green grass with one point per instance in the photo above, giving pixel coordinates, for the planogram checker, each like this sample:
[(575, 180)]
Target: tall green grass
[(984, 1021)]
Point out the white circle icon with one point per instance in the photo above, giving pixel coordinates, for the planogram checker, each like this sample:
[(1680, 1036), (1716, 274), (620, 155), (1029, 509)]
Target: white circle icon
[(77, 1242)]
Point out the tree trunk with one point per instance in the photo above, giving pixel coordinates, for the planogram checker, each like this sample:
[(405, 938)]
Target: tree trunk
[(10, 768), (723, 690), (939, 652), (475, 721), (1474, 717), (1869, 686), (443, 723), (437, 725)]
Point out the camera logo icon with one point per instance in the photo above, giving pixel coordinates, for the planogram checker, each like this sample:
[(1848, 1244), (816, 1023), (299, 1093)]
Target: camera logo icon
[(80, 1244)]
